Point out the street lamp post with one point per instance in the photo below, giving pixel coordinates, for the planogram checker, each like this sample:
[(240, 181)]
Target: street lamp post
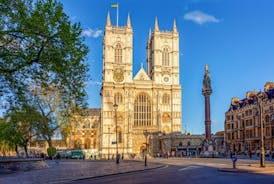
[(146, 134), (115, 106), (108, 141), (160, 142), (262, 156)]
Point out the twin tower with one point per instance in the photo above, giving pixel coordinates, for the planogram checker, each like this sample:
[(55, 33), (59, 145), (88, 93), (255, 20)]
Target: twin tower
[(162, 52), (150, 101)]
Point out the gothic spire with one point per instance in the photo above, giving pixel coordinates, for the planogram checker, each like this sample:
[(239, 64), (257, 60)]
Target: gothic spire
[(128, 21), (108, 21), (174, 27), (156, 27)]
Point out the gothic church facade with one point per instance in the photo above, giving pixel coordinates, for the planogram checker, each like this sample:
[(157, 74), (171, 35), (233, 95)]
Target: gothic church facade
[(148, 102)]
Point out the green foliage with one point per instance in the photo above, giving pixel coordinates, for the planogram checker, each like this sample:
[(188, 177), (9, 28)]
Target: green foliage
[(20, 126), (42, 62), (51, 151), (5, 143), (39, 43)]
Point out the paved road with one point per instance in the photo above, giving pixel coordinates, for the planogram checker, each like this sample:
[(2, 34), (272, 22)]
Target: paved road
[(187, 172)]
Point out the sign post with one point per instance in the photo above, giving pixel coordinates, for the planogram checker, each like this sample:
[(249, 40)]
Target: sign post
[(234, 160)]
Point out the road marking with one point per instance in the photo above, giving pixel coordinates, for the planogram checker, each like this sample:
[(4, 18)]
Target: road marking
[(211, 164), (163, 167), (189, 168)]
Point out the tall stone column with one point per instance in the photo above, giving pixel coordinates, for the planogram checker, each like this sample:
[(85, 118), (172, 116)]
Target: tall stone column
[(207, 92)]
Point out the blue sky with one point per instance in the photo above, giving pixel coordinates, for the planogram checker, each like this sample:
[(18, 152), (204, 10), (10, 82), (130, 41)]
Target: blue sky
[(235, 38)]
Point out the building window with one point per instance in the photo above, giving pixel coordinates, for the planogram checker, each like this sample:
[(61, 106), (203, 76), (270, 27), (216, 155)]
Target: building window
[(87, 144), (165, 57), (118, 53), (77, 144), (267, 131), (78, 126), (118, 98), (267, 119), (120, 136), (250, 112), (142, 110), (87, 124), (248, 122), (166, 99)]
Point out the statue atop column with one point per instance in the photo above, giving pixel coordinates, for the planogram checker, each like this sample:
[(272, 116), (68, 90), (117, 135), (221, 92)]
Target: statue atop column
[(206, 82), (207, 91)]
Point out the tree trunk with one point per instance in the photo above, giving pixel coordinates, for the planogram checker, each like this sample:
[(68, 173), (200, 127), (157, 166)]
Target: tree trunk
[(26, 150), (49, 141), (16, 150)]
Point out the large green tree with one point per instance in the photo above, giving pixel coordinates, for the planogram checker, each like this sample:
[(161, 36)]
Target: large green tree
[(6, 144), (41, 49), (38, 42), (21, 126)]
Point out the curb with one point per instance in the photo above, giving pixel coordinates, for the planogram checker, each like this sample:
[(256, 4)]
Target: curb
[(104, 175), (232, 170)]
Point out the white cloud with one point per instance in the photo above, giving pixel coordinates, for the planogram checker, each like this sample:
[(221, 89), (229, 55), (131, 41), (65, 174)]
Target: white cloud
[(92, 33), (200, 17)]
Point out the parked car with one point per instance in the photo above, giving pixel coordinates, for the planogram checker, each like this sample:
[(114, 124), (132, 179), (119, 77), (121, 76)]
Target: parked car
[(77, 154)]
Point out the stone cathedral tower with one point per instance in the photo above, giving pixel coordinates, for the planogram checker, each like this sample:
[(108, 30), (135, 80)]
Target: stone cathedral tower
[(150, 101)]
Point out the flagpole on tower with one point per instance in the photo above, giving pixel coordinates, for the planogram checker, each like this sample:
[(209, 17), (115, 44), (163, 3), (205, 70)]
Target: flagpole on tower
[(117, 14)]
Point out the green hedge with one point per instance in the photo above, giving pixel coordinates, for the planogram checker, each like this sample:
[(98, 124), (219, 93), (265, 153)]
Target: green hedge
[(51, 151)]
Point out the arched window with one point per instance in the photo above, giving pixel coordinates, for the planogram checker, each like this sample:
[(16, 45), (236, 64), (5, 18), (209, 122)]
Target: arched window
[(267, 119), (87, 143), (118, 53), (142, 110), (78, 125), (165, 57), (166, 99), (120, 136), (77, 144), (118, 98), (87, 124)]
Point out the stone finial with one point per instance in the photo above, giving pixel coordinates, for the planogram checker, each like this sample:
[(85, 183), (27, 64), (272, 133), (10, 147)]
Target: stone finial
[(108, 21), (156, 27)]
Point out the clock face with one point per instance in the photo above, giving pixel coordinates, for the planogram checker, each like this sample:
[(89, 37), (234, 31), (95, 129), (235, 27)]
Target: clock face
[(166, 79), (118, 75)]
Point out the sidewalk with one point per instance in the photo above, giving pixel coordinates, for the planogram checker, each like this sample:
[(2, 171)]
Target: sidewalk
[(67, 170), (251, 168)]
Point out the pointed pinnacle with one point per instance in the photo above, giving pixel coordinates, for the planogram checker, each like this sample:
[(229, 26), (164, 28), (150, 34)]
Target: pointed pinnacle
[(174, 26), (156, 27), (108, 20), (128, 21)]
